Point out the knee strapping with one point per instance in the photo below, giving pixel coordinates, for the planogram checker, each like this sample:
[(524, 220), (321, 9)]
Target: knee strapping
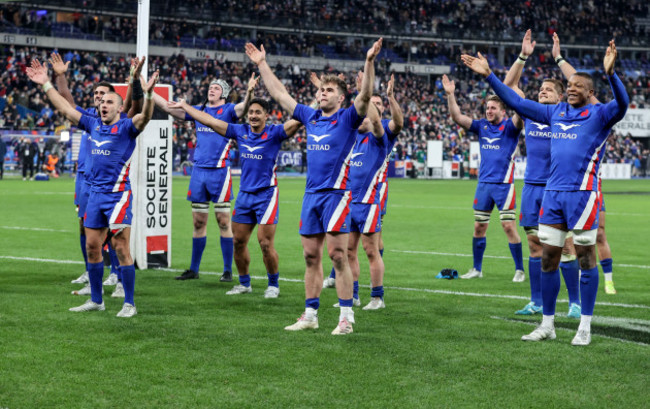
[(223, 207), (481, 216), (585, 237), (507, 215), (203, 207), (551, 236), (531, 230)]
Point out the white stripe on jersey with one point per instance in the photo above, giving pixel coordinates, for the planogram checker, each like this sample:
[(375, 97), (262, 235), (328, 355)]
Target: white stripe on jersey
[(368, 225), (507, 205), (118, 207), (511, 168), (269, 210), (274, 177), (225, 188), (121, 178), (221, 163), (367, 197), (343, 171), (340, 209), (586, 212), (590, 167), (382, 191)]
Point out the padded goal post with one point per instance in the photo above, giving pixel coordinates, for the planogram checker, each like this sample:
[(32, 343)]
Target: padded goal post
[(151, 183)]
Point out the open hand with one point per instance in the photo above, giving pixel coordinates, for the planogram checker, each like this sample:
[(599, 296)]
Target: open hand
[(477, 64), (256, 56), (610, 58), (58, 66)]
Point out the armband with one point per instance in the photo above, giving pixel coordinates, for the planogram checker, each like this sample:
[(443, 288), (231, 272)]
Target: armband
[(559, 60), (47, 86), (149, 95), (522, 59)]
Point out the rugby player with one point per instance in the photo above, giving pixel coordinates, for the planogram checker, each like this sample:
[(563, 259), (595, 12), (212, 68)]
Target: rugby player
[(82, 183), (538, 152), (257, 201), (109, 203), (331, 133), (579, 131), (498, 138), (211, 178)]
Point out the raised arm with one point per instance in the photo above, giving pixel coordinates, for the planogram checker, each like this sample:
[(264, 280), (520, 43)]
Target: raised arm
[(142, 119), (514, 73), (162, 103), (362, 100), (454, 110), (524, 107), (615, 109), (38, 74), (61, 82), (135, 93), (566, 68), (241, 109), (396, 123), (206, 119), (271, 82), (291, 127)]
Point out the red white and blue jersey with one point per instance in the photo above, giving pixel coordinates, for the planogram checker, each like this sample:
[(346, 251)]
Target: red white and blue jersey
[(578, 134), (258, 155), (212, 151), (498, 143), (366, 167), (111, 147), (84, 144), (329, 146), (538, 151), (392, 140)]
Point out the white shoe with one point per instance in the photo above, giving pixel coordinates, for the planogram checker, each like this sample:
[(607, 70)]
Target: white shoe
[(582, 338), (127, 311), (304, 323), (85, 290), (356, 302), (240, 289), (519, 277), (329, 282), (473, 273), (119, 291), (375, 304), (344, 328), (89, 305), (272, 292), (540, 333), (111, 280), (82, 279)]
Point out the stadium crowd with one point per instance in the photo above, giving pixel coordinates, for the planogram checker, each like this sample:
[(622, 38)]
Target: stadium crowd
[(422, 98), (499, 19)]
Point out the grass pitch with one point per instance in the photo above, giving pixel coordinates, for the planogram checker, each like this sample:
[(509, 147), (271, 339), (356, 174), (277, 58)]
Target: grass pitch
[(438, 343)]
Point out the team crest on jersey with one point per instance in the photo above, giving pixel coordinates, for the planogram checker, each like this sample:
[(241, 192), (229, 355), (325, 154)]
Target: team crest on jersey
[(485, 127), (313, 122), (502, 127), (561, 113), (220, 111), (114, 129), (584, 113), (264, 135), (97, 129), (334, 122), (365, 140)]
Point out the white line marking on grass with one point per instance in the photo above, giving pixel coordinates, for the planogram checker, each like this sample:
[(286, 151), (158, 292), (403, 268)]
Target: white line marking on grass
[(436, 253), (595, 320), (33, 229), (19, 192), (294, 280)]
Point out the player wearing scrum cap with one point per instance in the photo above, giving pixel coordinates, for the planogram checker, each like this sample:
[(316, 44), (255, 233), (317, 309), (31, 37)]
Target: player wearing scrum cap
[(211, 179)]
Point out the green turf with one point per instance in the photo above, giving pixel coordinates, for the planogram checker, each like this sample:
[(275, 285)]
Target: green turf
[(438, 343)]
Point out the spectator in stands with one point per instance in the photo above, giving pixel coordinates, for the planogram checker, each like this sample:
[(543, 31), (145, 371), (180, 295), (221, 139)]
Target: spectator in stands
[(27, 151)]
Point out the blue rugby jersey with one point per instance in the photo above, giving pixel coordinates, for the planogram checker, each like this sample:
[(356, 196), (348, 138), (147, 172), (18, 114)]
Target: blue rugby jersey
[(111, 147), (212, 151), (538, 151), (84, 145), (578, 135), (366, 167), (329, 146), (498, 143), (258, 155)]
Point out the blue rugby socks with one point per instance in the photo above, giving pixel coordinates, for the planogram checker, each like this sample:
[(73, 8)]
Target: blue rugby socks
[(226, 252), (571, 274), (515, 250), (198, 245), (478, 248), (128, 281), (535, 276), (550, 290)]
